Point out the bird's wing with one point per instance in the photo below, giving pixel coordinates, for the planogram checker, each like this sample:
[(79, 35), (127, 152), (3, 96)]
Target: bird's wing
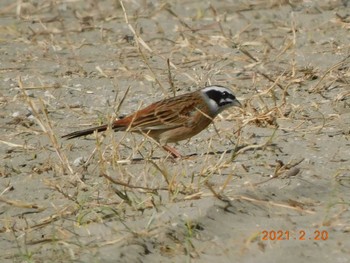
[(167, 114)]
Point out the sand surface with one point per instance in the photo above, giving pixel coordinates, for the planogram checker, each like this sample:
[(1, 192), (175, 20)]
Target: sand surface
[(269, 183)]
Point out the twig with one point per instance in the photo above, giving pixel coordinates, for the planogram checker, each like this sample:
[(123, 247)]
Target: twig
[(47, 129), (316, 88)]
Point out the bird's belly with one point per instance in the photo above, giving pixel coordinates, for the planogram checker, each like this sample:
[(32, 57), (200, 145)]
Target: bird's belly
[(183, 132)]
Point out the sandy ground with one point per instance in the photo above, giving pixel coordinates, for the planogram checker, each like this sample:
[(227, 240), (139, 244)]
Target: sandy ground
[(270, 183)]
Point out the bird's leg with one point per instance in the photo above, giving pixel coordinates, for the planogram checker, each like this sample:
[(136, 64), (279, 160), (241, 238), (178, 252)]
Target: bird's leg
[(174, 153)]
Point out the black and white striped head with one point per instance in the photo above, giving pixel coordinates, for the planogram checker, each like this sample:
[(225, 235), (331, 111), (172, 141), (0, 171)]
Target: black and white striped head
[(219, 98)]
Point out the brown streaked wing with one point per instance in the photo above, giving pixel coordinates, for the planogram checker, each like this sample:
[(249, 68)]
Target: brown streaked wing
[(167, 114)]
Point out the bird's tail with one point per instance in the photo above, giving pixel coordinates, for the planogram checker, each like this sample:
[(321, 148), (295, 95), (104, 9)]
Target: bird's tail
[(85, 132)]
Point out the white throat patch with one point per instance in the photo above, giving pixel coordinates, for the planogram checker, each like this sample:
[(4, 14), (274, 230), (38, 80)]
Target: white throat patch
[(213, 106)]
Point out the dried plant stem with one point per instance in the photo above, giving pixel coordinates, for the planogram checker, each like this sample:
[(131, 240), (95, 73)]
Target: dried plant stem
[(263, 202), (316, 88), (21, 204), (46, 126), (139, 41)]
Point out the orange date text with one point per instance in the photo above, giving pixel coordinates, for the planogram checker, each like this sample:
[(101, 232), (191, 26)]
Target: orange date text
[(273, 235)]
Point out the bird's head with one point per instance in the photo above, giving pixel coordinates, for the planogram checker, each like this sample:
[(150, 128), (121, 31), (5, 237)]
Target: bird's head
[(219, 98)]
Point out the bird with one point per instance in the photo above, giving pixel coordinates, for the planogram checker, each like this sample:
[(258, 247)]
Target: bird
[(173, 119)]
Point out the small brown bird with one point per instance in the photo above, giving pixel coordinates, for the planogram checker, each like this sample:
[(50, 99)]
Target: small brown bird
[(174, 119)]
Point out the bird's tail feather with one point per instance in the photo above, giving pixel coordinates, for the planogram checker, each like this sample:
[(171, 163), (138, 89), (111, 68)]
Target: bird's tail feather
[(85, 132)]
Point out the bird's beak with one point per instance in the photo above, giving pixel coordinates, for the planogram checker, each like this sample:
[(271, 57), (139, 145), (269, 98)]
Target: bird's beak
[(236, 103)]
